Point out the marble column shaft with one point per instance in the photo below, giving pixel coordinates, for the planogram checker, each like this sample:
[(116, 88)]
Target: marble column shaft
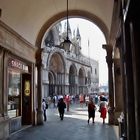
[(39, 86), (1, 82), (118, 89), (109, 61)]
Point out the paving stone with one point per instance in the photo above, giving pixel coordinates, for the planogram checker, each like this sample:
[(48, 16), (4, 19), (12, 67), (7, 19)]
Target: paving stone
[(73, 127)]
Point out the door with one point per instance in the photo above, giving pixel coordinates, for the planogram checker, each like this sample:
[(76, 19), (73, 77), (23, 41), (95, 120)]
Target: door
[(26, 99)]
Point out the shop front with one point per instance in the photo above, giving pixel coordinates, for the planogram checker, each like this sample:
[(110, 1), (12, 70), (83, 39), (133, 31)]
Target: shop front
[(18, 100), (19, 106)]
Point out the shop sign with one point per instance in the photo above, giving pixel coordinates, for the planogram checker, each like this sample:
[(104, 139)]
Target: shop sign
[(18, 64)]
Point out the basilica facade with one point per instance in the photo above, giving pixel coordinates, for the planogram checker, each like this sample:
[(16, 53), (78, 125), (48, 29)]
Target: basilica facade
[(67, 72)]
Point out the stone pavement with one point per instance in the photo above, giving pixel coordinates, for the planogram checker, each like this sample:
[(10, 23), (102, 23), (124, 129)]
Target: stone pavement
[(73, 127)]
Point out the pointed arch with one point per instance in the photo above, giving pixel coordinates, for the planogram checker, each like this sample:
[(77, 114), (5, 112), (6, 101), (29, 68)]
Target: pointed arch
[(56, 62), (72, 79), (82, 76), (52, 81)]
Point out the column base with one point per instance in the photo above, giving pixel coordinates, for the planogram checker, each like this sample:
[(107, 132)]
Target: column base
[(116, 116), (39, 117), (4, 128)]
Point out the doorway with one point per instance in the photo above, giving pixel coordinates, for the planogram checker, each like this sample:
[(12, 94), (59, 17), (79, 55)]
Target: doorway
[(26, 99)]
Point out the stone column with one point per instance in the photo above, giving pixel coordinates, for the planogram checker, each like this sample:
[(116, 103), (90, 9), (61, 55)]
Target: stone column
[(118, 89), (76, 82), (109, 61), (1, 82), (39, 86), (67, 78), (45, 83), (66, 83)]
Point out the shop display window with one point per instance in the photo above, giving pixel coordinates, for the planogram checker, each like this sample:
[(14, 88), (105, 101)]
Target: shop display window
[(14, 95)]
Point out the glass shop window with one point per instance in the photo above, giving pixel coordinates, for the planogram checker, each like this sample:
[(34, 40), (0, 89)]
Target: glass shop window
[(14, 97)]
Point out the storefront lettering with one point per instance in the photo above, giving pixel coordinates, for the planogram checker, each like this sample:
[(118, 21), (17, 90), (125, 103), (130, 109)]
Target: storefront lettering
[(17, 64)]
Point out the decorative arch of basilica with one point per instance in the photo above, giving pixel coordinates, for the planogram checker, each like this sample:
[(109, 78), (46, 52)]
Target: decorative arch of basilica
[(66, 72)]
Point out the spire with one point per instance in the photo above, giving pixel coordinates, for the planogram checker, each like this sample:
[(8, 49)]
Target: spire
[(69, 29), (78, 36), (89, 51), (65, 27)]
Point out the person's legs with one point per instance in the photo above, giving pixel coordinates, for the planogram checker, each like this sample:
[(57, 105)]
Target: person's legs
[(45, 118), (103, 120), (68, 105), (92, 119), (88, 119), (62, 116)]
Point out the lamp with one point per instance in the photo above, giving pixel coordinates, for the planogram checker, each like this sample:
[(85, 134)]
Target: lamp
[(66, 44)]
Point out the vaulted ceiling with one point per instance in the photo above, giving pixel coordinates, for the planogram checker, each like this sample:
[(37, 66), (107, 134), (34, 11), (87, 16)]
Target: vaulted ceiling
[(31, 18)]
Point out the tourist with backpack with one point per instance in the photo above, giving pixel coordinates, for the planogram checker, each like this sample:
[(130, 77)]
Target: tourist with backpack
[(44, 107)]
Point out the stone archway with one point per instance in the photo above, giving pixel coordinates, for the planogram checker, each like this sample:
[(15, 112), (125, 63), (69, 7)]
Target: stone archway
[(81, 80), (56, 65), (56, 18), (72, 13)]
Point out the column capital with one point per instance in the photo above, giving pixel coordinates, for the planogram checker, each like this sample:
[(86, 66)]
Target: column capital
[(38, 56), (109, 50), (109, 60)]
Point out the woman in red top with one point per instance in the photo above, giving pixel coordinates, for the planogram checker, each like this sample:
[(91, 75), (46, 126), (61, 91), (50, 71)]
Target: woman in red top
[(103, 110)]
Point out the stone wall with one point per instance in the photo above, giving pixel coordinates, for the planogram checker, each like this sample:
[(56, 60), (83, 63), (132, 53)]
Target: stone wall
[(17, 45), (11, 44)]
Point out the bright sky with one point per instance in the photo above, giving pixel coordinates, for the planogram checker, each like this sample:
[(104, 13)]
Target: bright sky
[(91, 32)]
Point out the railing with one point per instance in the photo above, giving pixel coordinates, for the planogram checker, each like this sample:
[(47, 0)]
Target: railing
[(79, 59)]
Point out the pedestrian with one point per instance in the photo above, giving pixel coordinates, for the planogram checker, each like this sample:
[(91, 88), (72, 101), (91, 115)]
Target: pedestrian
[(67, 99), (61, 108), (44, 109), (54, 101), (81, 98), (96, 99), (91, 110), (87, 99), (103, 110)]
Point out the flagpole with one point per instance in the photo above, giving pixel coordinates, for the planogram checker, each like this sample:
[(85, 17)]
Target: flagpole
[(88, 51)]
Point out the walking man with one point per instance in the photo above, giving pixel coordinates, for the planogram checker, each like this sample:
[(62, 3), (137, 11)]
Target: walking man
[(61, 108)]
